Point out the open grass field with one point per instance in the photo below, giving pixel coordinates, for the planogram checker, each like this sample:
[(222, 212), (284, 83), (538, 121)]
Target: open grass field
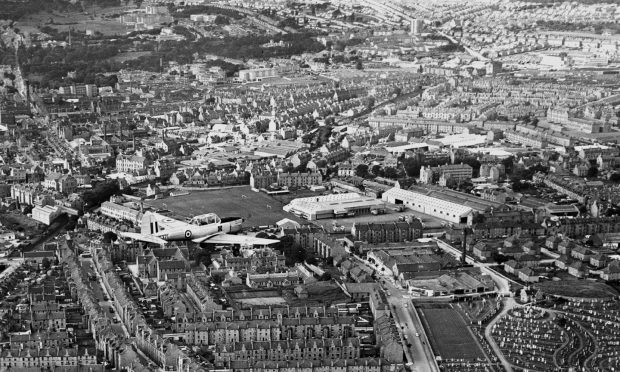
[(105, 20), (258, 209), (577, 288), (128, 56), (448, 334)]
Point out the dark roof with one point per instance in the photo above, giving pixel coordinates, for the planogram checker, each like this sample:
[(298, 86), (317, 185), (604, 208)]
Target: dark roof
[(39, 254)]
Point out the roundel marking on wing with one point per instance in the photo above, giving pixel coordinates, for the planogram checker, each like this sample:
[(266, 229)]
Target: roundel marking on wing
[(188, 234)]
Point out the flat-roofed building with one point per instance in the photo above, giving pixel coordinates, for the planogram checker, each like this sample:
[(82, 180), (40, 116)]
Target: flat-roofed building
[(45, 214), (448, 205), (331, 206), (387, 231)]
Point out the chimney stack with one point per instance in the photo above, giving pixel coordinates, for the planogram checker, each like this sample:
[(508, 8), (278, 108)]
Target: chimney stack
[(464, 254)]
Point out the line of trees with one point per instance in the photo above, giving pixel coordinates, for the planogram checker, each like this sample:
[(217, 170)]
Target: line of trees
[(100, 193)]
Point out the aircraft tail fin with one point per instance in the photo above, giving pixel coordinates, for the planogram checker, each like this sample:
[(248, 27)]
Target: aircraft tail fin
[(150, 224)]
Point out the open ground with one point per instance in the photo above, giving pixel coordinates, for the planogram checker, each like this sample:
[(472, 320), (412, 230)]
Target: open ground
[(258, 209), (448, 333), (577, 288), (105, 20)]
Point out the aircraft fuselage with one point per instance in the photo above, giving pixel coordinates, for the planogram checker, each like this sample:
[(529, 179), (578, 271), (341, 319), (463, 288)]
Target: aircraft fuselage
[(192, 232)]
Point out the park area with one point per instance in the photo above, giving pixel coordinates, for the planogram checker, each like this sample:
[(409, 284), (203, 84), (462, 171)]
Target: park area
[(258, 209), (94, 18), (448, 333)]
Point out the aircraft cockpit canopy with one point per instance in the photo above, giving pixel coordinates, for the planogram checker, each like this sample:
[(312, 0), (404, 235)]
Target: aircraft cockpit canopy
[(205, 219)]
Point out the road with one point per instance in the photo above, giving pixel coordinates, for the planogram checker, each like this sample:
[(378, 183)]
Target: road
[(407, 320), (100, 294), (502, 283), (509, 304), (408, 323)]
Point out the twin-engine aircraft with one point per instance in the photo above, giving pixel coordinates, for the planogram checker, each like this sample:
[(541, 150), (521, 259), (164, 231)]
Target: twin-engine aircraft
[(207, 228)]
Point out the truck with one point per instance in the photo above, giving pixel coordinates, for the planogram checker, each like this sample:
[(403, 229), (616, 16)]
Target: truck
[(377, 211), (398, 208)]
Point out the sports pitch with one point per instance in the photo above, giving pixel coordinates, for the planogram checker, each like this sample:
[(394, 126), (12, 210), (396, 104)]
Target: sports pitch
[(258, 209), (448, 334)]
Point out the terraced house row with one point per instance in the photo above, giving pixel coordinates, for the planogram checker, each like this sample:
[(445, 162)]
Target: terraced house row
[(311, 349), (228, 327)]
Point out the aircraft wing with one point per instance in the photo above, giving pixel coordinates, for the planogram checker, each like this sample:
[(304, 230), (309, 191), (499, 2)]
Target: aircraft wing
[(144, 238), (235, 239)]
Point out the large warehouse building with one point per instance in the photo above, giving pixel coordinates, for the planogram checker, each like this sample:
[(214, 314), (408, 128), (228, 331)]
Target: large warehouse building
[(448, 205), (332, 206)]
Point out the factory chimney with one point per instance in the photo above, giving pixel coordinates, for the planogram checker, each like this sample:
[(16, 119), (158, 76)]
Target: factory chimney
[(464, 247)]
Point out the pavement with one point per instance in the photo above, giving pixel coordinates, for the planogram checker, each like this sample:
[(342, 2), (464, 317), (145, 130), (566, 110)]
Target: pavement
[(407, 320), (100, 294), (509, 304), (408, 323)]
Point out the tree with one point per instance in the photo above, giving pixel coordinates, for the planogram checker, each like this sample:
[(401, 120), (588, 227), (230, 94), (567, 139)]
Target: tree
[(370, 102), (412, 167), (361, 170), (70, 225), (518, 185), (109, 237), (262, 126), (221, 20), (321, 163), (217, 278), (359, 65), (592, 172), (310, 259), (508, 164), (478, 218), (204, 257), (390, 172), (499, 258), (452, 183), (293, 253), (377, 170), (46, 263), (325, 277), (100, 193)]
